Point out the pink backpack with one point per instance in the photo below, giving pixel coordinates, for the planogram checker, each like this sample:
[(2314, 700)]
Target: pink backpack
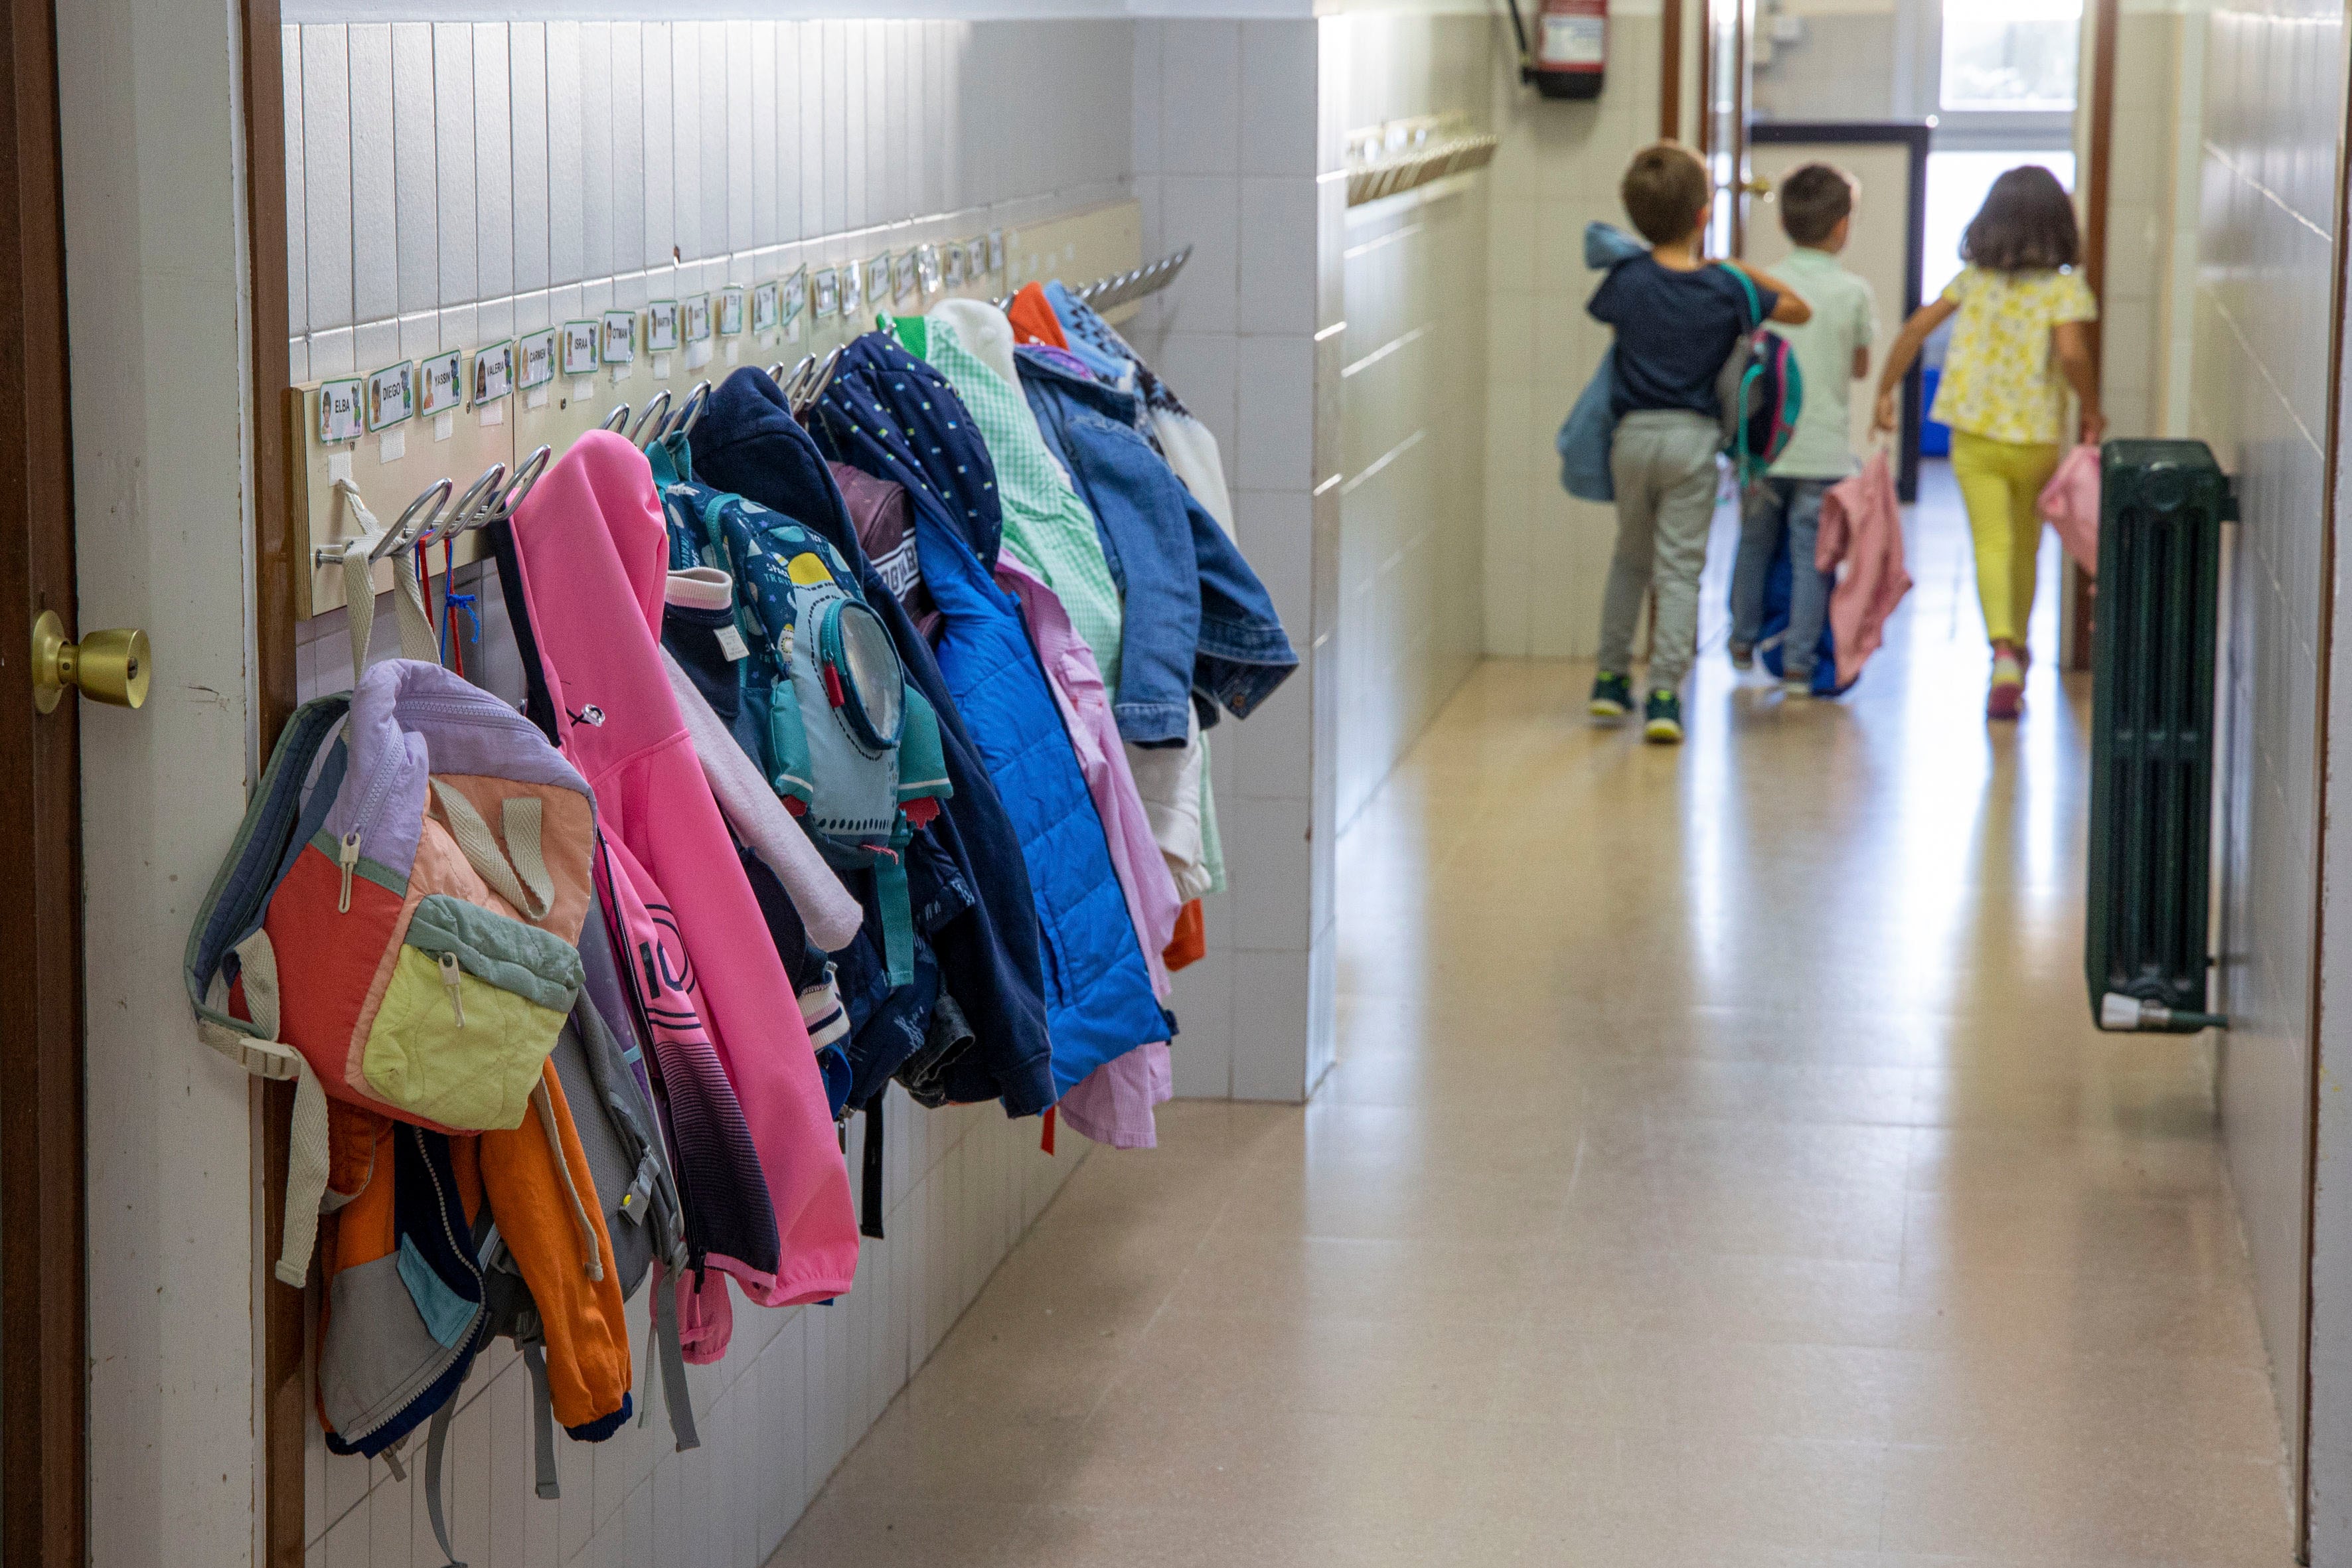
[(2071, 503)]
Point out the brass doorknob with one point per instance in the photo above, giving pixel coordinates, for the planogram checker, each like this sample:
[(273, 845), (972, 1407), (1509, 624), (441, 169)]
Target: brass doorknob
[(112, 666)]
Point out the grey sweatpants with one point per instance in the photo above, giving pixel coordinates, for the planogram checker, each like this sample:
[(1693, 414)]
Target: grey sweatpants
[(1663, 463)]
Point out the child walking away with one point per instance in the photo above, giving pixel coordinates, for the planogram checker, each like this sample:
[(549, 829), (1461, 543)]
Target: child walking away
[(1677, 319), (2021, 340), (1832, 352)]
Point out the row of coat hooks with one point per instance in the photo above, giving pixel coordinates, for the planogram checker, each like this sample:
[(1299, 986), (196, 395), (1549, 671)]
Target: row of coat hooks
[(440, 513)]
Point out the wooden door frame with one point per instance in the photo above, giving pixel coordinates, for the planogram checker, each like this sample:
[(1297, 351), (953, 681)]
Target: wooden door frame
[(285, 1311), (2096, 191), (44, 1355)]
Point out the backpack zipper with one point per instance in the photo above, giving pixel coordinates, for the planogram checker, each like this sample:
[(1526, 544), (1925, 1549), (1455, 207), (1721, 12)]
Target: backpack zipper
[(449, 972), (347, 859)]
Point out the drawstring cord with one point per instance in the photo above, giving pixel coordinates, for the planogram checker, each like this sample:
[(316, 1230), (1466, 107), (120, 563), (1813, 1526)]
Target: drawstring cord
[(564, 1168)]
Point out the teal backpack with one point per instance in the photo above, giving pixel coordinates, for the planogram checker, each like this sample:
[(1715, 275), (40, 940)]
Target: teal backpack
[(852, 748)]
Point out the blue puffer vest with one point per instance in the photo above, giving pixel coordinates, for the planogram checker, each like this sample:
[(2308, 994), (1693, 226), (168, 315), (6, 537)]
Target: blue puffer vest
[(897, 418)]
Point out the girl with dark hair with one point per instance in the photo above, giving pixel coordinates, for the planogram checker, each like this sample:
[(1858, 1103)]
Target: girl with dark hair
[(2023, 338)]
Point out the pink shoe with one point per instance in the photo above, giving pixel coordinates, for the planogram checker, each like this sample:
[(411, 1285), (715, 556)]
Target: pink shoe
[(2006, 697)]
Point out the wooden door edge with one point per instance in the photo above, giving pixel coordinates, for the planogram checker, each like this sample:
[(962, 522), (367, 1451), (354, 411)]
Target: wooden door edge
[(277, 583)]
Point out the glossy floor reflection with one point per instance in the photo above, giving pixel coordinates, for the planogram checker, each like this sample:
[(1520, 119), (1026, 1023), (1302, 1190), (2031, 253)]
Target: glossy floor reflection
[(1720, 1167)]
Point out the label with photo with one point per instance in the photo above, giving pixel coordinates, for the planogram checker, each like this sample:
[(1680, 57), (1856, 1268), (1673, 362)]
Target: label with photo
[(494, 374), (390, 395), (339, 410), (443, 385), (927, 268), (767, 308), (853, 289), (824, 295), (580, 341), (903, 275), (731, 311), (619, 337), (877, 279), (540, 356), (951, 266), (661, 326), (795, 295), (698, 317)]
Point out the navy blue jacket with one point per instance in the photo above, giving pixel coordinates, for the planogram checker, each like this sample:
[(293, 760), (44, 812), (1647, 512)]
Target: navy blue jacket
[(1198, 620), (896, 417), (989, 956)]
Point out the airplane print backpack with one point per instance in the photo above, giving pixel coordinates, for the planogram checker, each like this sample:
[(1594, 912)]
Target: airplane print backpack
[(852, 748)]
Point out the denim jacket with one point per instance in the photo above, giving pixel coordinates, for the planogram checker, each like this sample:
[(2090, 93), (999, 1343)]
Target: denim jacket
[(1198, 620)]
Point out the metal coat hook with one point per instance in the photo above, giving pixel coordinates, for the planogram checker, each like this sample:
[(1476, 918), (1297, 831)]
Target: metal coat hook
[(690, 413), (1123, 287), (428, 503), (616, 421), (526, 479), (464, 513), (651, 422)]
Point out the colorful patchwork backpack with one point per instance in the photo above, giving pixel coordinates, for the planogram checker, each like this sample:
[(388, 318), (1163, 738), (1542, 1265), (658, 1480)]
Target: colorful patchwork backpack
[(853, 748), (398, 924)]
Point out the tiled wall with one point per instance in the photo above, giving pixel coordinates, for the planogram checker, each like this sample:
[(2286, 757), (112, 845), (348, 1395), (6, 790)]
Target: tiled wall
[(2273, 104), (2146, 338), (1412, 406), (1228, 132), (453, 184), (1557, 170)]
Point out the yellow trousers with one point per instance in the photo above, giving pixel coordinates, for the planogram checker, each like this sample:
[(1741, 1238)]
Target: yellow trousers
[(2001, 483)]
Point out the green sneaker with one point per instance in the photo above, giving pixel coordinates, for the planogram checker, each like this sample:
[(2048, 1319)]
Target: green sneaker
[(1613, 696), (1662, 721)]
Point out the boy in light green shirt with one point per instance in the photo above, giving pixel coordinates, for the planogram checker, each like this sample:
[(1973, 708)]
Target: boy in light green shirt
[(1832, 352)]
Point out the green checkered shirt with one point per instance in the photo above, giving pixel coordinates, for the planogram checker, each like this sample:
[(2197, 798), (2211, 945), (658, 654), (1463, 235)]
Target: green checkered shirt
[(1047, 528)]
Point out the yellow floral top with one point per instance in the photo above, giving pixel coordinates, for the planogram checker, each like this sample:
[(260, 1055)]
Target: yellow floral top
[(2001, 377)]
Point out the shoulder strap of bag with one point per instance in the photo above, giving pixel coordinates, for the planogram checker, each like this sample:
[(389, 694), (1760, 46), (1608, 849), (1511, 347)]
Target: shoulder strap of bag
[(1748, 287), (416, 638)]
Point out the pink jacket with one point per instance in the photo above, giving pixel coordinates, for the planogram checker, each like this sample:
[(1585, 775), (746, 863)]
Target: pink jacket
[(594, 551), (1113, 1104), (1861, 528)]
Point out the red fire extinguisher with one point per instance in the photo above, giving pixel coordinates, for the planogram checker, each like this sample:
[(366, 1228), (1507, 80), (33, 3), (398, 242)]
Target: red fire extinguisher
[(1569, 52)]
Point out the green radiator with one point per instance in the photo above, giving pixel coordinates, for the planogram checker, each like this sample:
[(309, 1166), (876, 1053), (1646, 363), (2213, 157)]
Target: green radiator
[(2161, 507)]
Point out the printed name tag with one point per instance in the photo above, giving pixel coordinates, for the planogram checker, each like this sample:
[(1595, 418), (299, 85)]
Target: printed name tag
[(927, 268), (767, 308), (853, 290), (620, 336), (731, 311), (731, 643), (903, 276), (878, 277), (952, 265), (580, 342), (494, 372), (996, 250), (339, 410), (442, 382), (661, 326), (825, 295), (698, 317), (390, 395), (538, 354)]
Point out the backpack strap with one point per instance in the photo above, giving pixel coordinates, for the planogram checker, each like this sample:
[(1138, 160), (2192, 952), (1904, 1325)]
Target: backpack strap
[(665, 1349), (542, 1421), (261, 1055), (416, 638), (869, 1221), (1755, 300), (526, 884), (436, 1439)]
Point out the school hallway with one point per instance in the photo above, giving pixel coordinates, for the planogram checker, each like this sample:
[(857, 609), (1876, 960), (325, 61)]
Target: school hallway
[(1720, 1166)]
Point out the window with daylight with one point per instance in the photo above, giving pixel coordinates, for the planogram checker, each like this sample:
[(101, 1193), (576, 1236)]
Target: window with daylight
[(2011, 55)]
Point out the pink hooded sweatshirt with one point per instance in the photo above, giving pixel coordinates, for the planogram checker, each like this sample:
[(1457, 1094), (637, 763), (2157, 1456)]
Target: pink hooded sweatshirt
[(1861, 528), (594, 557)]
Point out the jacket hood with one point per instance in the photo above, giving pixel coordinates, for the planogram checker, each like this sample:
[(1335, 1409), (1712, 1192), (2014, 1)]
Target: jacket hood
[(1119, 408), (749, 419)]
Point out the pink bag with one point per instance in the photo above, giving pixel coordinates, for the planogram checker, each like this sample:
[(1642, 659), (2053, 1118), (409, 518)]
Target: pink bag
[(2071, 503)]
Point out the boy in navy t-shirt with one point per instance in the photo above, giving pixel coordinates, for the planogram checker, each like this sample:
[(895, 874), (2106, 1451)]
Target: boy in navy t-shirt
[(1677, 319)]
